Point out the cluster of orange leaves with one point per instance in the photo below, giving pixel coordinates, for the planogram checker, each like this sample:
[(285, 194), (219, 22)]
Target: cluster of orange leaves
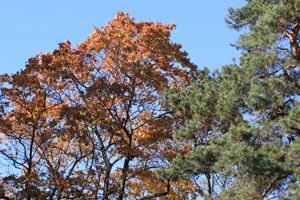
[(91, 120)]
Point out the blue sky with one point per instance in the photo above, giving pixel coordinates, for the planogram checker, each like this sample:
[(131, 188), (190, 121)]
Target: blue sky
[(33, 26)]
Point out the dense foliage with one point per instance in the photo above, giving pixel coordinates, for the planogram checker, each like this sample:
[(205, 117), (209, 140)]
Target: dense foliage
[(243, 122), (90, 122), (126, 115)]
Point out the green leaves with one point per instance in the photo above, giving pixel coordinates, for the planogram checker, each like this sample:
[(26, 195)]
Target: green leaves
[(243, 122)]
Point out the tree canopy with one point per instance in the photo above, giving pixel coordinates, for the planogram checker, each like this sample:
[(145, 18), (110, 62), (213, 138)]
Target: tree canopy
[(127, 115), (89, 122), (243, 122)]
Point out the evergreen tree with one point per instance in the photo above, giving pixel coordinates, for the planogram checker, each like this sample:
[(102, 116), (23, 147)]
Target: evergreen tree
[(243, 123)]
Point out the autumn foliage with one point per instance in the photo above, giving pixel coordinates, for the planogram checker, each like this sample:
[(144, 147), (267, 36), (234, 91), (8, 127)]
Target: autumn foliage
[(90, 122), (126, 115)]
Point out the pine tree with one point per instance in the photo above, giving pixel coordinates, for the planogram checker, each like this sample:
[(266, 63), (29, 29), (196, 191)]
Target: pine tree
[(243, 122)]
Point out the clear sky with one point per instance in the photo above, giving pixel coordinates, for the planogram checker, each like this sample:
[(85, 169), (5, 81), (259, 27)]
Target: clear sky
[(28, 27)]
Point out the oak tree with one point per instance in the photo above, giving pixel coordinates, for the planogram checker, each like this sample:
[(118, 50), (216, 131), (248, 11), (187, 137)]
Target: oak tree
[(90, 121)]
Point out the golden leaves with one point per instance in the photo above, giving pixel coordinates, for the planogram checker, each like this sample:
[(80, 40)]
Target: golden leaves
[(95, 114)]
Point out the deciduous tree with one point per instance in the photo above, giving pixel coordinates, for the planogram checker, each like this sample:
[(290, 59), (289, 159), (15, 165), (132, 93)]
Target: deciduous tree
[(90, 121)]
